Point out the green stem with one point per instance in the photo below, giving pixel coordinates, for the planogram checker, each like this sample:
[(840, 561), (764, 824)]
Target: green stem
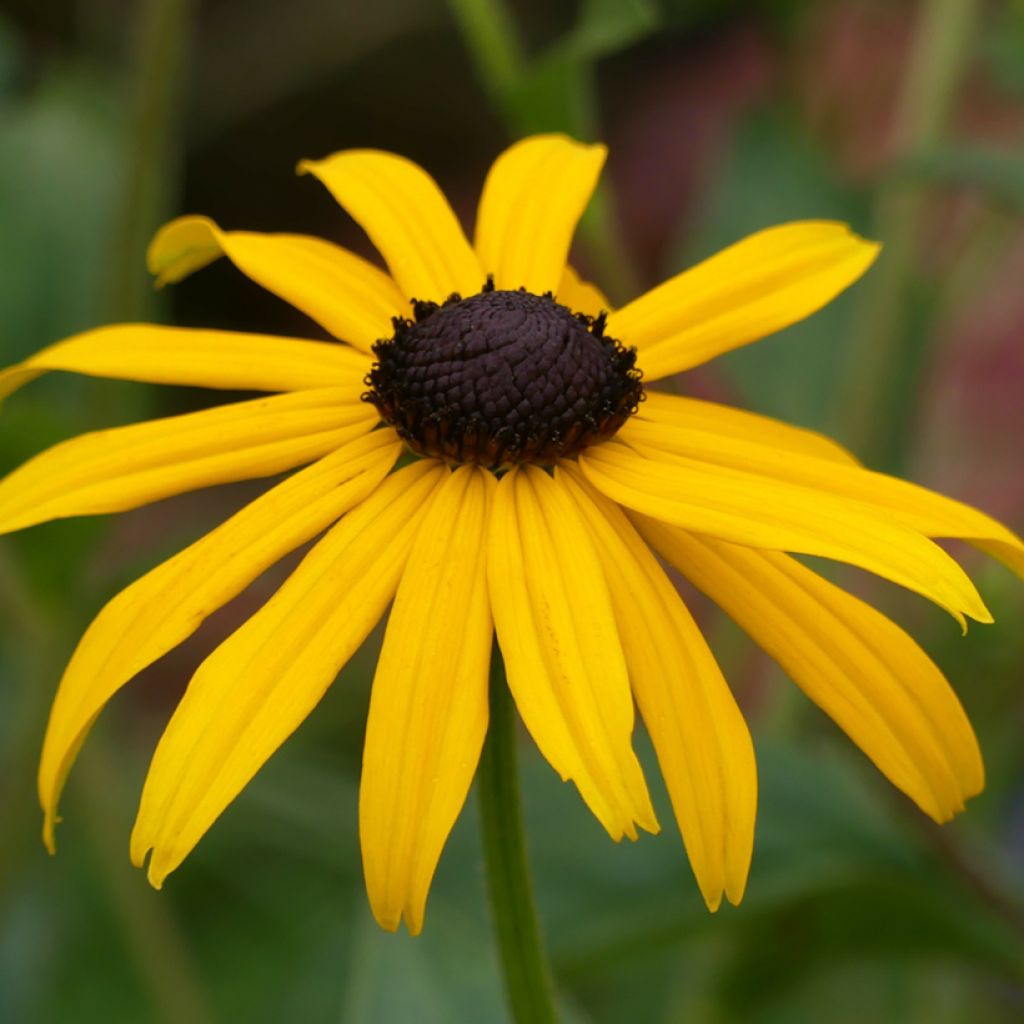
[(523, 959), (886, 360), (490, 34), (152, 158)]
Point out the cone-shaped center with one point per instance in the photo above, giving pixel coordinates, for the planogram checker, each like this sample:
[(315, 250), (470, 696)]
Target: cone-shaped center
[(503, 377)]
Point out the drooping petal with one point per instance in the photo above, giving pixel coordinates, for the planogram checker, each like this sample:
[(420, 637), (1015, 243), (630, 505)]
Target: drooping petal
[(428, 706), (701, 740), (556, 629), (754, 510), (195, 358), (123, 468), (758, 286), (255, 689), (407, 218), (903, 502), (678, 416), (533, 198), (853, 662), (581, 296), (349, 297), (158, 611)]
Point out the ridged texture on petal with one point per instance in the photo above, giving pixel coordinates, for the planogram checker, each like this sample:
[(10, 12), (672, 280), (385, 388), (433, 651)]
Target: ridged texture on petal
[(123, 468), (158, 611), (888, 497), (196, 358), (255, 689), (348, 297), (758, 286), (556, 628), (533, 198), (750, 509), (407, 218), (428, 706), (680, 416), (581, 296), (859, 667), (701, 740)]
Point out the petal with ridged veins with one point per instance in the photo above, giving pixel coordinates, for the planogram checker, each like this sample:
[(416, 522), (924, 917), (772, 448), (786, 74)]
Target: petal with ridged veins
[(350, 298), (860, 668), (428, 705), (758, 286), (123, 468), (407, 218), (534, 196), (255, 689), (557, 633), (158, 611), (195, 358), (702, 742), (757, 511)]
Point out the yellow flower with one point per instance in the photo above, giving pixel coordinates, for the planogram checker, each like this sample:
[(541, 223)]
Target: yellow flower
[(541, 489)]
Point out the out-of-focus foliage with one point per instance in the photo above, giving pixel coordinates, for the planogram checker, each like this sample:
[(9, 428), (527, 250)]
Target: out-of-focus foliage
[(722, 118)]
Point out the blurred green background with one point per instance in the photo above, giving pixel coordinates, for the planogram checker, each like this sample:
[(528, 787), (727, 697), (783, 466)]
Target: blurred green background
[(905, 119)]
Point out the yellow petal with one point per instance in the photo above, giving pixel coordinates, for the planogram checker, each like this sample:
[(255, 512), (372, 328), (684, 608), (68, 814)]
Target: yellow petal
[(556, 628), (195, 358), (255, 689), (679, 416), (348, 297), (699, 735), (158, 611), (581, 296), (855, 664), (758, 286), (123, 468), (407, 218), (533, 198), (755, 510), (902, 502), (428, 708)]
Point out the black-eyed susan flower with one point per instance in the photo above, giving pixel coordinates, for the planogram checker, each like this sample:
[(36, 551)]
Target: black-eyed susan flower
[(548, 474)]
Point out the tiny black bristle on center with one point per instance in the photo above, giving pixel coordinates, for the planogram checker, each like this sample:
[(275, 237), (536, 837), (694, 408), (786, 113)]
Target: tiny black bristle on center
[(502, 377)]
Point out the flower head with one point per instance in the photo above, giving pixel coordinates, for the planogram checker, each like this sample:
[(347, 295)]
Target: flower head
[(549, 475)]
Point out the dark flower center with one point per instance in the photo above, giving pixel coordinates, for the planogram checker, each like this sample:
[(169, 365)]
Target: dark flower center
[(502, 377)]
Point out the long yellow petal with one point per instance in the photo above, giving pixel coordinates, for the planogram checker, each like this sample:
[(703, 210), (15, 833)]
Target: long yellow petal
[(533, 198), (349, 297), (758, 286), (158, 611), (556, 628), (757, 511), (701, 740), (855, 664), (255, 689), (123, 468), (898, 500), (407, 218), (428, 707), (679, 416), (195, 358)]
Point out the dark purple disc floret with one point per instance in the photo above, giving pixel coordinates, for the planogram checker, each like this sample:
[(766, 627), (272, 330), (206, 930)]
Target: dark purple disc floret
[(502, 377)]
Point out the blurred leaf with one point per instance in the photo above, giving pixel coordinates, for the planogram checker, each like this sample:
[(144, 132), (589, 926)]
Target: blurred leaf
[(10, 52), (997, 173), (555, 93), (59, 176), (607, 26), (774, 173), (396, 978), (1003, 45)]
